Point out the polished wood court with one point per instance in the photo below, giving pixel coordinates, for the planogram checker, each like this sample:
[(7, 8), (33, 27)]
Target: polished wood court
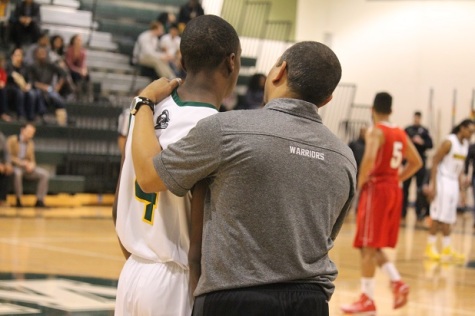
[(80, 241)]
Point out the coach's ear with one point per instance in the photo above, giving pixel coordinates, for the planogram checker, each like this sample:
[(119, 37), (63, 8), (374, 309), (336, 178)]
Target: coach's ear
[(326, 101), (279, 73)]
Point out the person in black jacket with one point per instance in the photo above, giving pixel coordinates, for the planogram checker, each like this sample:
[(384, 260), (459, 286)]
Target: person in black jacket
[(422, 140), (188, 11), (25, 23), (357, 146)]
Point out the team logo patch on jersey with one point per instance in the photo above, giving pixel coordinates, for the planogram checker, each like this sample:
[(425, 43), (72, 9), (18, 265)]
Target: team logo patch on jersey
[(162, 120)]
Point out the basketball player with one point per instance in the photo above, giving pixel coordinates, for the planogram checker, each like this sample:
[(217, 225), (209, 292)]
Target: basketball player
[(379, 208), (154, 227), (280, 186), (446, 174)]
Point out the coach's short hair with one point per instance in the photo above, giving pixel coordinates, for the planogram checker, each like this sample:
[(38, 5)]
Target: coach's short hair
[(313, 71), (383, 103), (206, 41)]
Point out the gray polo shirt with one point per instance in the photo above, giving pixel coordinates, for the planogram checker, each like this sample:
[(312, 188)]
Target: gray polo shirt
[(280, 185)]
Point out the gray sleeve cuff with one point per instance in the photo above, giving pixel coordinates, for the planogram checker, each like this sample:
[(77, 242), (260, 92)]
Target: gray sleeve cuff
[(166, 177)]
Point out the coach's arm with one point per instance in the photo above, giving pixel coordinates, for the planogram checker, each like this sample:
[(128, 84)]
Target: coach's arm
[(145, 145)]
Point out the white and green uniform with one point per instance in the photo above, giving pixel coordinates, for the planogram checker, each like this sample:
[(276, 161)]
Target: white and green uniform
[(154, 228), (444, 207)]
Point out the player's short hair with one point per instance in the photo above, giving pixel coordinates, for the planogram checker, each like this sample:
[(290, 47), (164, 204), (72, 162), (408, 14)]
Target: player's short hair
[(206, 41), (418, 113), (382, 103), (313, 71)]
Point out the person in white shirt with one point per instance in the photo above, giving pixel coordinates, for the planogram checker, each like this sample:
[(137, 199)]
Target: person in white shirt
[(147, 51), (170, 45), (160, 233)]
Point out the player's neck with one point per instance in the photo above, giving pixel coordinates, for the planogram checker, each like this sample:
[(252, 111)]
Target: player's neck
[(202, 90), (380, 118)]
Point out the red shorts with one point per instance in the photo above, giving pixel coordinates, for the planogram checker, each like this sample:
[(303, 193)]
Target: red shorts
[(379, 215)]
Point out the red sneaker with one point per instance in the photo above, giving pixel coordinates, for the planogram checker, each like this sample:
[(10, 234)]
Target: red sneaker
[(363, 306), (400, 292)]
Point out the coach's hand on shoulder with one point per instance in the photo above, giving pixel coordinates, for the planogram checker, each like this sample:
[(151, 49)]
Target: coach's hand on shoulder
[(159, 89)]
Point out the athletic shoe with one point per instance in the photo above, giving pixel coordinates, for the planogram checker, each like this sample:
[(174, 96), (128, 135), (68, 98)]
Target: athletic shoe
[(449, 254), (363, 306), (40, 204), (431, 253), (400, 293)]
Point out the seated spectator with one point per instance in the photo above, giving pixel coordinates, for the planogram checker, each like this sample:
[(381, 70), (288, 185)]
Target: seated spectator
[(188, 11), (25, 23), (3, 92), (253, 99), (147, 51), (57, 56), (19, 90), (43, 41), (22, 151), (76, 62), (167, 19), (6, 170), (48, 79), (56, 48), (170, 45)]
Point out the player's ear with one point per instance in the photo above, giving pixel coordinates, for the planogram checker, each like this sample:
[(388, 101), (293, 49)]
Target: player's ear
[(182, 61), (230, 60)]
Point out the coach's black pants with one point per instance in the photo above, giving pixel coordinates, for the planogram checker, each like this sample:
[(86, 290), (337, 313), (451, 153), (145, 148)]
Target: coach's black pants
[(283, 299)]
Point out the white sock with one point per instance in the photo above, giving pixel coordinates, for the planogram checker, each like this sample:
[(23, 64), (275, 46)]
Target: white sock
[(432, 239), (367, 287), (446, 241), (390, 269)]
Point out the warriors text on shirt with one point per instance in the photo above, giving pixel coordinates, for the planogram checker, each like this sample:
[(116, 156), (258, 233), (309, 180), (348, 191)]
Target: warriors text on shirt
[(307, 153)]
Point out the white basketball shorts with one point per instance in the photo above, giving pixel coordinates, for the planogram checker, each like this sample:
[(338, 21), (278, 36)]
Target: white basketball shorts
[(444, 207), (149, 288)]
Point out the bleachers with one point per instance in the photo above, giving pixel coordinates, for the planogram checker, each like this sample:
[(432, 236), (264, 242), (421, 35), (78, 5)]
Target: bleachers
[(84, 156)]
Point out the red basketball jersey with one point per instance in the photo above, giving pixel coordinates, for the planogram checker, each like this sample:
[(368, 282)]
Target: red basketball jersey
[(391, 152), (379, 207)]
